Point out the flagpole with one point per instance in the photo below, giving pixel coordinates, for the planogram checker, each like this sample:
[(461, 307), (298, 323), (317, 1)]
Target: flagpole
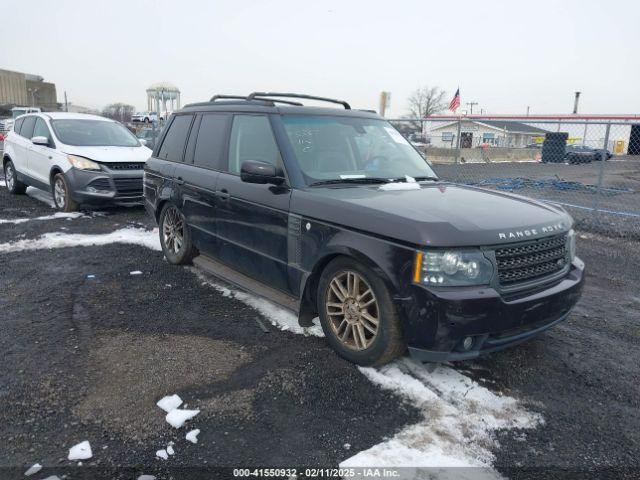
[(459, 128)]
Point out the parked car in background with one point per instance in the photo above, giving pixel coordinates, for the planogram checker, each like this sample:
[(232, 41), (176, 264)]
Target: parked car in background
[(147, 136), (7, 123), (144, 117), (80, 158), (575, 154), (333, 213)]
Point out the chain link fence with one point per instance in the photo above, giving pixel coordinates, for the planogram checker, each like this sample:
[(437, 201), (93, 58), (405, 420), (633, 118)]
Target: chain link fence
[(589, 166)]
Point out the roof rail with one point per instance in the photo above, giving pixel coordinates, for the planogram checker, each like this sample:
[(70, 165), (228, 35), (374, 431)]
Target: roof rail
[(262, 95), (240, 97)]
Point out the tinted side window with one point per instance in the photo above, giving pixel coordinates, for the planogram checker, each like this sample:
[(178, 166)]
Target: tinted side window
[(41, 130), (173, 145), (252, 139), (211, 141), (18, 125), (27, 127)]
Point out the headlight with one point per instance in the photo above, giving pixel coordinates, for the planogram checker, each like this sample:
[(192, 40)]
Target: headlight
[(571, 245), (452, 268), (82, 163)]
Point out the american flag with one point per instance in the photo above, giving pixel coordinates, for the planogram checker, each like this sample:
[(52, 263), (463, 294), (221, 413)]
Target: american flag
[(455, 101)]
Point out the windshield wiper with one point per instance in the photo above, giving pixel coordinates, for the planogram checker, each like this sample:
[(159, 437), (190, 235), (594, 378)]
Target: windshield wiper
[(417, 179), (363, 180), (421, 179)]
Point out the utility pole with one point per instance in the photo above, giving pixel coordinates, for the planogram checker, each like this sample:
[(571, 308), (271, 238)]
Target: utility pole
[(575, 103), (528, 110), (385, 102), (471, 104), (66, 105)]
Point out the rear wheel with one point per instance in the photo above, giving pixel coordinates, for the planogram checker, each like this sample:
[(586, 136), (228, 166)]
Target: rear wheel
[(14, 185), (357, 314), (62, 194), (175, 236)]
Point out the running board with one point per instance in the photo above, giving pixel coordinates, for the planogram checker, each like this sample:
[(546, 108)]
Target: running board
[(242, 281)]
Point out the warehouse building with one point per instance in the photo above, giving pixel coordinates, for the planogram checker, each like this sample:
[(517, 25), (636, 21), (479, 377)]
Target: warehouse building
[(24, 89)]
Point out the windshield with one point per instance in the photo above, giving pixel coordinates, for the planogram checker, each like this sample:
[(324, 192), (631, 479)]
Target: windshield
[(93, 133), (346, 148), (15, 113)]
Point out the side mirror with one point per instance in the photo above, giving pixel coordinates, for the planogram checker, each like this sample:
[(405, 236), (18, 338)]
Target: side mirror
[(257, 171), (143, 142), (44, 141)]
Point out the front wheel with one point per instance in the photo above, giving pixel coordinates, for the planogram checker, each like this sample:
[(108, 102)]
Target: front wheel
[(357, 314), (175, 236), (62, 194), (14, 185)]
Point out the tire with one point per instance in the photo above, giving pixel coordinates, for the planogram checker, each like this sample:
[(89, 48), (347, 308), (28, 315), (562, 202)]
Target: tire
[(341, 320), (14, 185), (62, 194), (175, 236), (146, 120)]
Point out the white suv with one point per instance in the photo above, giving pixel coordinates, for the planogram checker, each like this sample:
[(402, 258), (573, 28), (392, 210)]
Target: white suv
[(81, 159), (144, 117)]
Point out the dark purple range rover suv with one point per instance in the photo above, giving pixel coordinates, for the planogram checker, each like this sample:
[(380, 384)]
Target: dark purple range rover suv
[(331, 213)]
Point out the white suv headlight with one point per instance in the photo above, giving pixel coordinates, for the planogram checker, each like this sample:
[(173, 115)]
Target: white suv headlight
[(82, 163), (452, 268)]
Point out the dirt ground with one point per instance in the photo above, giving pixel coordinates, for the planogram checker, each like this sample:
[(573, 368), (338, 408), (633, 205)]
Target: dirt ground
[(87, 348)]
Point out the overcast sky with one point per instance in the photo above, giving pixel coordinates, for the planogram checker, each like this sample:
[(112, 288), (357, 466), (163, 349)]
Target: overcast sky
[(504, 55)]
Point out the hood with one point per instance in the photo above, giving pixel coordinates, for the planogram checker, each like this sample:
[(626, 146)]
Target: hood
[(110, 154), (439, 214)]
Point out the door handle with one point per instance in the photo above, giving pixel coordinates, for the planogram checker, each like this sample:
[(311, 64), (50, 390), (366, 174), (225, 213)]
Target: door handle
[(224, 194)]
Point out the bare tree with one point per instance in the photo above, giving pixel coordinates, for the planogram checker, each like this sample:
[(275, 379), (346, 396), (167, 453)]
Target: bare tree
[(425, 101), (119, 111)]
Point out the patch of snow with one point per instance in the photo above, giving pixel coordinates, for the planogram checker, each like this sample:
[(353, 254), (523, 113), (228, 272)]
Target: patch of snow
[(146, 477), (81, 451), (41, 195), (170, 402), (177, 418), (170, 450), (192, 436), (69, 216), (136, 236), (459, 418), (35, 468), (52, 477), (135, 272), (279, 317), (162, 454), (400, 186), (3, 183)]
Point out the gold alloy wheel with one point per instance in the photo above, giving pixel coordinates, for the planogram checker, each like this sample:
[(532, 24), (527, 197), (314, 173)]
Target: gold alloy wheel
[(352, 310)]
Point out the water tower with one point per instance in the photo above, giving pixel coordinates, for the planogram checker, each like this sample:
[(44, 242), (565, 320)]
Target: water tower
[(160, 94)]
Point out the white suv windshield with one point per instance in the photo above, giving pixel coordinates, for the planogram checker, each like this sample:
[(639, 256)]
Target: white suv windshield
[(93, 133), (343, 148)]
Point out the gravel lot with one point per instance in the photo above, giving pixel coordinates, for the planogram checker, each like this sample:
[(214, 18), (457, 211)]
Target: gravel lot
[(575, 186), (87, 358)]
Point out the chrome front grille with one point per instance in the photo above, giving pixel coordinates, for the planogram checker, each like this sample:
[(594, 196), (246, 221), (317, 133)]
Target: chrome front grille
[(532, 260)]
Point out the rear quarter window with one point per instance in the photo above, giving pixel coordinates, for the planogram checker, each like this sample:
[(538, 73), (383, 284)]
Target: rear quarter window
[(27, 127), (211, 141), (174, 142), (18, 125)]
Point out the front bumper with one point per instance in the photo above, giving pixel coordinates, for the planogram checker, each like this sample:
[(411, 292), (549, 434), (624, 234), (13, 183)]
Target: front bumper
[(105, 187), (438, 320)]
